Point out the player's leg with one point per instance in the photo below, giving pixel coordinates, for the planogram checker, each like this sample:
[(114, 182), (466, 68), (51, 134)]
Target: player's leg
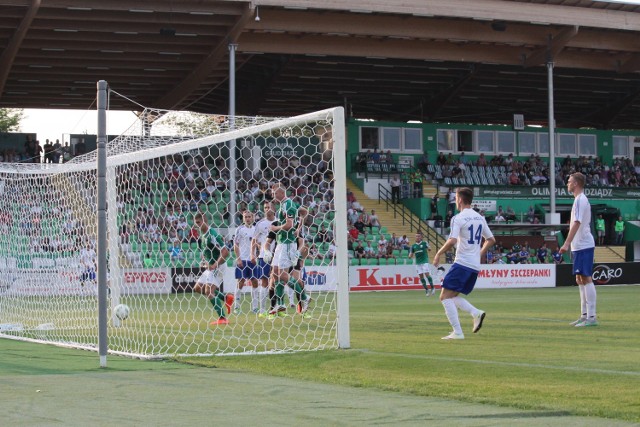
[(430, 280), (446, 298), (583, 302), (239, 285), (583, 262)]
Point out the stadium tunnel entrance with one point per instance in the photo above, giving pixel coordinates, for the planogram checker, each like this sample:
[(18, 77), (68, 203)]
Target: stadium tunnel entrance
[(610, 215)]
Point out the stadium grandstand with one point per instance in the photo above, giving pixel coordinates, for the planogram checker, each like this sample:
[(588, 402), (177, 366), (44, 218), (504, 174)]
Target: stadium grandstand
[(420, 81)]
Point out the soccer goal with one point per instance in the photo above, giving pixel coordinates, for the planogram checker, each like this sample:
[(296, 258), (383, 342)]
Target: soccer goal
[(164, 175)]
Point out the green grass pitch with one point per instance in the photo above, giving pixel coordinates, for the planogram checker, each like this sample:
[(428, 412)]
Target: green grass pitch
[(526, 355)]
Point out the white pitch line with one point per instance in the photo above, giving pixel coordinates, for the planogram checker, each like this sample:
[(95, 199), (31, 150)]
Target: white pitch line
[(494, 362)]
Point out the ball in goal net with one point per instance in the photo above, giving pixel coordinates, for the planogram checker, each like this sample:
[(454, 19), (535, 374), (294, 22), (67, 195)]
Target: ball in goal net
[(166, 176)]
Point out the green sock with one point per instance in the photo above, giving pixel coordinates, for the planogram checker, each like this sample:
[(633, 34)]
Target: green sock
[(218, 303), (424, 283), (279, 293), (430, 282), (299, 289)]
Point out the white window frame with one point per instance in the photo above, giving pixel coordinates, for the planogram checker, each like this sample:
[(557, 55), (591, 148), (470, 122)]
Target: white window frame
[(497, 142), (382, 131), (454, 140), (582, 137), (627, 146), (402, 149), (535, 143), (544, 153), (477, 142), (559, 145), (404, 145), (369, 127)]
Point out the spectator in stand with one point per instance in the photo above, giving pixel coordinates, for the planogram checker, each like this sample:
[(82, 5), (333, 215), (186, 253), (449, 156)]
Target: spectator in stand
[(404, 242), (542, 254), (441, 159), (395, 184), (353, 233), (394, 242), (369, 252), (434, 204), (194, 236), (451, 198), (359, 251), (175, 251), (619, 229), (375, 156), (499, 218), (523, 256), (482, 161), (447, 219), (557, 257), (359, 224), (382, 245), (490, 257), (423, 164), (510, 214), (513, 178), (416, 179), (373, 220), (512, 256)]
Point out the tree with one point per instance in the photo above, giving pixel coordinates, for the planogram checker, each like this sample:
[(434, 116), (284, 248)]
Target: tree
[(10, 119)]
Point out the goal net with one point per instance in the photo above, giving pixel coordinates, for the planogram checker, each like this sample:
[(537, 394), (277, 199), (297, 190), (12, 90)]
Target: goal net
[(186, 194)]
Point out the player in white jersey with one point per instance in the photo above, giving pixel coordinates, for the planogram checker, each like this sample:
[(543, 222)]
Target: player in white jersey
[(263, 264), (245, 267), (468, 228), (582, 245), (88, 265)]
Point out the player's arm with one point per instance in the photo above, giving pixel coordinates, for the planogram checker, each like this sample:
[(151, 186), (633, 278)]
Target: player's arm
[(572, 233), (224, 254), (255, 248), (450, 243), (236, 250)]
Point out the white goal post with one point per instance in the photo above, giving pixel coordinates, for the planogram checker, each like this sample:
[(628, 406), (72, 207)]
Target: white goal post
[(169, 169)]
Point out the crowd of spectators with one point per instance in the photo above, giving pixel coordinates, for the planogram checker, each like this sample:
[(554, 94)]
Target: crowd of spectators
[(523, 254), (50, 152), (164, 195)]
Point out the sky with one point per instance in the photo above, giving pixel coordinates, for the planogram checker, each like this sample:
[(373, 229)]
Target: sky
[(59, 124)]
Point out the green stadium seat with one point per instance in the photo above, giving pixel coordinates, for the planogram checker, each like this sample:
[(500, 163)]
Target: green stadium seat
[(375, 230), (308, 261), (355, 261), (382, 261)]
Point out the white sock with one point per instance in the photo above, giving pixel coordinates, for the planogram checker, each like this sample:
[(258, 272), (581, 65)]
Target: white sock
[(452, 314), (263, 299), (291, 295), (465, 305), (590, 294), (238, 295), (583, 301), (254, 299)]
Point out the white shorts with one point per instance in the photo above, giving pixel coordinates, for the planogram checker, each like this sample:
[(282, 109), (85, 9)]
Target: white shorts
[(211, 277), (423, 269), (285, 256)]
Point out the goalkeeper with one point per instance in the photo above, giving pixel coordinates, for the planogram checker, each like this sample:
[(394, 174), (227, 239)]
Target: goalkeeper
[(215, 255), (419, 251)]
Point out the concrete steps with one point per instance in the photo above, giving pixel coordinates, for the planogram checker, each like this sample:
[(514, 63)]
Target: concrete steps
[(609, 253)]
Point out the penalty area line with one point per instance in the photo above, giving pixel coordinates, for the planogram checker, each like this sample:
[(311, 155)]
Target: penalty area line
[(498, 363)]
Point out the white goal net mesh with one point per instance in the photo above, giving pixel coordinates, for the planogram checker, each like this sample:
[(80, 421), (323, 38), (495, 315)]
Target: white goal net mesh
[(186, 193)]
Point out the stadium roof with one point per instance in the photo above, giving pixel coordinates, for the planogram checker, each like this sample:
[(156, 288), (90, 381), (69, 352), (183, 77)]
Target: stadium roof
[(475, 61)]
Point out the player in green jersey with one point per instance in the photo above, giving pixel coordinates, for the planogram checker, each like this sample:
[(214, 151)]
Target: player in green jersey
[(419, 251), (215, 255), (286, 254)]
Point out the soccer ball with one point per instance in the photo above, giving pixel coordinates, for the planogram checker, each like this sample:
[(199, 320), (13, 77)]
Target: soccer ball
[(121, 311)]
